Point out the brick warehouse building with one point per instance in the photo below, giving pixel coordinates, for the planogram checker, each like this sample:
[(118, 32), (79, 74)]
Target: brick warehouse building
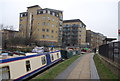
[(44, 26)]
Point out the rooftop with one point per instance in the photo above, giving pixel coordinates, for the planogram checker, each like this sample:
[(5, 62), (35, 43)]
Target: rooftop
[(9, 30), (73, 20), (33, 6), (110, 39), (51, 10)]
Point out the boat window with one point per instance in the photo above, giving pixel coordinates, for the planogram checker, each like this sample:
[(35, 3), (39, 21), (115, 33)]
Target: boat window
[(52, 57), (28, 68), (4, 73), (57, 55), (43, 60)]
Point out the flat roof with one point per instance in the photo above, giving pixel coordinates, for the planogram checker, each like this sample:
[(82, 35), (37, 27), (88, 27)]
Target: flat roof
[(110, 39), (73, 20), (33, 6), (51, 10)]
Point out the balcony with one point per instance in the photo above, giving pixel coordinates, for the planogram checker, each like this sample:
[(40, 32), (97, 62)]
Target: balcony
[(61, 18), (75, 25), (67, 25), (75, 30), (60, 23)]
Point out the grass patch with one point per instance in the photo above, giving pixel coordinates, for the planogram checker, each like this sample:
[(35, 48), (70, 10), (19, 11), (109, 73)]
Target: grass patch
[(103, 71), (52, 73)]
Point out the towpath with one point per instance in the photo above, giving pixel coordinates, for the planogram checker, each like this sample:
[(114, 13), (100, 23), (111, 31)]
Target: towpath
[(83, 68)]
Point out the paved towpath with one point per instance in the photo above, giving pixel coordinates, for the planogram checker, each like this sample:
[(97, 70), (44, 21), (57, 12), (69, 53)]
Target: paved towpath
[(82, 68)]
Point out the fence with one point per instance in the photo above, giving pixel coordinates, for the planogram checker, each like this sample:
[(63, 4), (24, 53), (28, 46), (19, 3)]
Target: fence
[(111, 51)]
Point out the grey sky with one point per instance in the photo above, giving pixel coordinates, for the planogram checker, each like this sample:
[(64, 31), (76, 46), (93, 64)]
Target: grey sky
[(99, 15)]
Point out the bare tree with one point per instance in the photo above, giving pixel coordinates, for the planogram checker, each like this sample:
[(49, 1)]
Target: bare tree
[(2, 27)]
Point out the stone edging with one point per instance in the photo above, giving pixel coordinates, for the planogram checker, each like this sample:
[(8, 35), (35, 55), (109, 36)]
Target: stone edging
[(94, 73)]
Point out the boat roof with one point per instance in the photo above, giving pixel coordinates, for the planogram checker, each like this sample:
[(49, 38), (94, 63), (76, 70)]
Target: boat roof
[(4, 59)]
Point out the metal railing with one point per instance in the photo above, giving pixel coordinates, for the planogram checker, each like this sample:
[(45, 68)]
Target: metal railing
[(111, 51)]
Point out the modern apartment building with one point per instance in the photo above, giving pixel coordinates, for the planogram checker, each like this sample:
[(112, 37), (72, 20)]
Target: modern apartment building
[(43, 26), (94, 39), (74, 33)]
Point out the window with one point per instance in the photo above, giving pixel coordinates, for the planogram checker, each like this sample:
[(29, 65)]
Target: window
[(47, 36), (52, 25), (52, 57), (52, 37), (41, 12), (4, 73), (21, 25), (38, 12), (57, 55), (43, 36), (47, 30), (28, 68), (44, 18), (48, 24), (61, 18), (53, 19), (80, 24), (43, 23), (21, 20), (60, 23), (52, 31), (56, 14), (60, 29), (44, 11), (53, 14), (43, 30), (38, 23), (48, 18), (21, 15), (43, 60), (48, 12)]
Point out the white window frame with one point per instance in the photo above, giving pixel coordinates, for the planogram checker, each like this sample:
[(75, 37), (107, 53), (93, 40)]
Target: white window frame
[(52, 25), (53, 14), (4, 72), (44, 60), (48, 18)]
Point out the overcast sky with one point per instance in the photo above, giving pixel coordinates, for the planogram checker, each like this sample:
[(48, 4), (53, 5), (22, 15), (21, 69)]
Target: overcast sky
[(98, 15)]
